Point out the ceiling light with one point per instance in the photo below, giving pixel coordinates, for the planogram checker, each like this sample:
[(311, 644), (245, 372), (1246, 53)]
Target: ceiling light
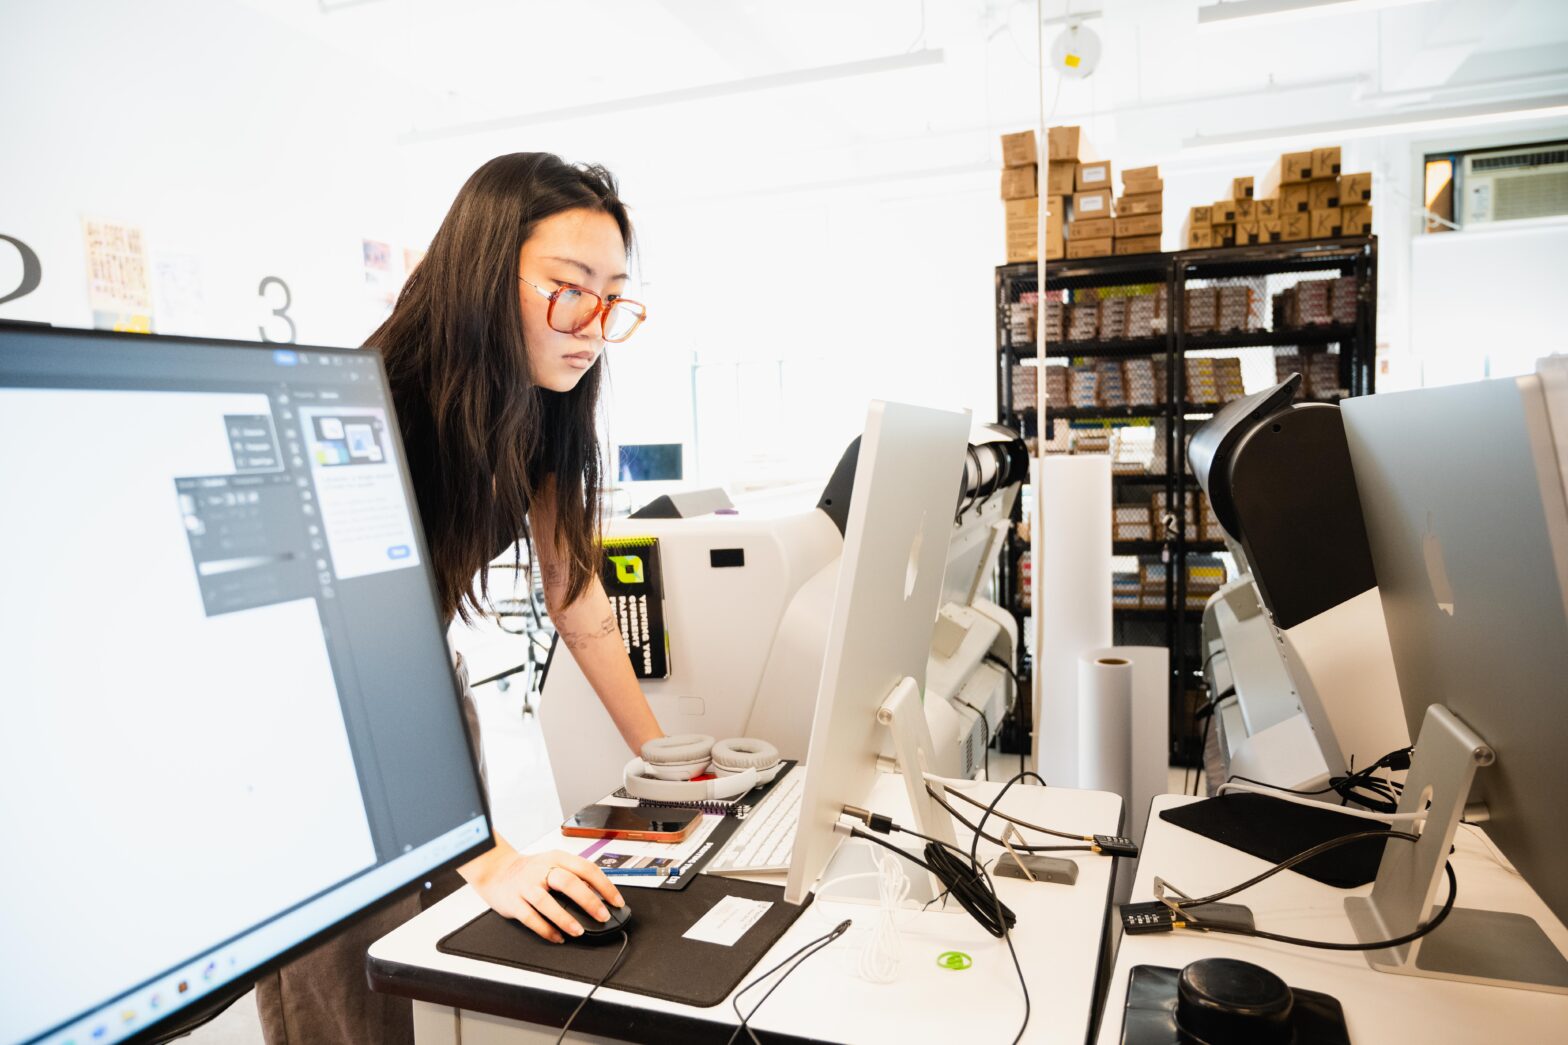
[(1553, 107), (1252, 12)]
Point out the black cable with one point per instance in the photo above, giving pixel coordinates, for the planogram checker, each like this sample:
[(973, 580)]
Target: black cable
[(1285, 865), (813, 946), (1018, 696), (1010, 819), (985, 724), (1087, 847), (974, 846), (1203, 744), (1360, 786), (625, 939), (1378, 945)]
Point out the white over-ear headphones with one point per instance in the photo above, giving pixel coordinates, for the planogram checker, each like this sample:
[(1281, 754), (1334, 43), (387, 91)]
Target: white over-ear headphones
[(665, 770)]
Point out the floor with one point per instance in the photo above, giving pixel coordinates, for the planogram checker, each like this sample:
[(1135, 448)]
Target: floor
[(522, 802)]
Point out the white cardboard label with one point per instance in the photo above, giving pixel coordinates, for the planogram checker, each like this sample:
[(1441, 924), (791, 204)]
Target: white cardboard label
[(1093, 203), (727, 921)]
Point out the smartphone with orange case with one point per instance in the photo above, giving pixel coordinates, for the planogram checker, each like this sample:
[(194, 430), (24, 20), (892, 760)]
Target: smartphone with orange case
[(634, 823)]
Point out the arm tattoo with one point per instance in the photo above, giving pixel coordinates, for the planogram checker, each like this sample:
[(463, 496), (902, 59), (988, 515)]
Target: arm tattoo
[(577, 639)]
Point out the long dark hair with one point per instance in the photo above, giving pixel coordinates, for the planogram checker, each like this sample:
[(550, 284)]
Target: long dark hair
[(481, 436)]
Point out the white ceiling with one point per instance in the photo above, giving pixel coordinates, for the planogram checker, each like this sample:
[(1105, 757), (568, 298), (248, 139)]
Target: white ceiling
[(838, 91)]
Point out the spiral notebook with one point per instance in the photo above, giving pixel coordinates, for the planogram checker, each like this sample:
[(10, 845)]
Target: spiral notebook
[(739, 807)]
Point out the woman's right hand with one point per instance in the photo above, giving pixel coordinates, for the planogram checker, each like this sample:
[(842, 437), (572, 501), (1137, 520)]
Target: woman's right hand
[(518, 885)]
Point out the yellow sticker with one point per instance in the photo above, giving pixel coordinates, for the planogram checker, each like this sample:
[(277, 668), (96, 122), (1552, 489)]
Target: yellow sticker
[(1071, 61)]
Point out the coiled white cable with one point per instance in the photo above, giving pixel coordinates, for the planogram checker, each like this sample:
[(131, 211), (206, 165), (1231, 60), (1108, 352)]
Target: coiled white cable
[(879, 955)]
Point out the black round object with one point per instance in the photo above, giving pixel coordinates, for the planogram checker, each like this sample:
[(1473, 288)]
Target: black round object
[(1222, 1001)]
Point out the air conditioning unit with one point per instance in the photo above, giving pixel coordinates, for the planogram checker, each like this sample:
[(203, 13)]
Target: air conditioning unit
[(1508, 184)]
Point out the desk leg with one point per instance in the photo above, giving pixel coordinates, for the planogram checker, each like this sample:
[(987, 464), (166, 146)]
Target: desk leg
[(435, 1024)]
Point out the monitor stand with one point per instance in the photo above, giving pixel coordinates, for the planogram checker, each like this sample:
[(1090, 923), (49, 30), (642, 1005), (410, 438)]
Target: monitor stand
[(904, 718), (1474, 946)]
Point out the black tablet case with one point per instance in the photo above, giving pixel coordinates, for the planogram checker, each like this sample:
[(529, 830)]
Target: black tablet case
[(1275, 830), (1150, 1016), (660, 961)]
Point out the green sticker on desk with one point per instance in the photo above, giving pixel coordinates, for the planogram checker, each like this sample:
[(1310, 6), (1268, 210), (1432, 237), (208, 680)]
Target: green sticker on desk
[(955, 960)]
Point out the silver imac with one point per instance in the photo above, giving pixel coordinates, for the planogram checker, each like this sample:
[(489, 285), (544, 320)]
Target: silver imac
[(889, 588), (1467, 519), (230, 718)]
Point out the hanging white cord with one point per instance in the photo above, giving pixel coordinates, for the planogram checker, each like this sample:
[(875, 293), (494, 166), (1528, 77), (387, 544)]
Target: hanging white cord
[(879, 954)]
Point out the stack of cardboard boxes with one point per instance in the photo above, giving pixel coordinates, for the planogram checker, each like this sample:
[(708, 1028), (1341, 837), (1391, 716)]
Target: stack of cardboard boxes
[(1303, 197), (1139, 211), (1084, 217)]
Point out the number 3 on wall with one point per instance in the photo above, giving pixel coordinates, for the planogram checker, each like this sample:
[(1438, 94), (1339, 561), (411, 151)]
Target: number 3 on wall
[(32, 270), (282, 311)]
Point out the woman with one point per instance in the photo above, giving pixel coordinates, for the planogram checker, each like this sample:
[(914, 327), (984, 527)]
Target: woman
[(492, 355)]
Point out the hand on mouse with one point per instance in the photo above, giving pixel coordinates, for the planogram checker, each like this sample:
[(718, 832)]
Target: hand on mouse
[(518, 886)]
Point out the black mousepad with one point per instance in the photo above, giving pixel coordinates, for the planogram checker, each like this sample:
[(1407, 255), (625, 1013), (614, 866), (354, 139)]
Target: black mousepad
[(660, 961), (1275, 830), (1150, 1018)]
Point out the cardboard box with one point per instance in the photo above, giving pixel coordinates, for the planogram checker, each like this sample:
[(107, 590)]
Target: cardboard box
[(1356, 220), (1140, 225), (1139, 175), (1055, 212), (1270, 230), (1295, 198), (1265, 208), (1248, 233), (1290, 167), (1018, 183), (1091, 228), (1322, 194), (1096, 204), (1325, 162), (1199, 237), (1326, 223), (1067, 143), (1091, 176), (1090, 248), (1295, 226), (1138, 244), (1021, 243), (1019, 150), (1141, 188), (1244, 209), (1224, 234), (1355, 188), (1224, 212), (1060, 177), (1241, 188), (1201, 216), (1141, 203)]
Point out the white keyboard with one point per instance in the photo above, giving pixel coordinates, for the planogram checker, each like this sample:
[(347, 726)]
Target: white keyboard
[(766, 837)]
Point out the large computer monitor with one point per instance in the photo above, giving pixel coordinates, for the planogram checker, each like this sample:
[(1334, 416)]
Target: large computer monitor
[(906, 490), (1467, 519), (230, 718)]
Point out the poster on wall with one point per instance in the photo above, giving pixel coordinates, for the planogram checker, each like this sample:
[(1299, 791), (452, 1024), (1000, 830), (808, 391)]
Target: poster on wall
[(179, 300), (383, 278), (119, 291)]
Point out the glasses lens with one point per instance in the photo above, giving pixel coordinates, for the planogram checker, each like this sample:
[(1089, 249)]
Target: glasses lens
[(622, 319), (573, 309)]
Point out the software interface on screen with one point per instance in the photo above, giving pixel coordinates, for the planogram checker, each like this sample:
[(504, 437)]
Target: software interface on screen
[(649, 462), (229, 717)]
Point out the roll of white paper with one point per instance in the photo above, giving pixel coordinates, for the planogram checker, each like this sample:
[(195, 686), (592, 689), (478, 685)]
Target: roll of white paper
[(1150, 729), (1105, 723), (1072, 599)]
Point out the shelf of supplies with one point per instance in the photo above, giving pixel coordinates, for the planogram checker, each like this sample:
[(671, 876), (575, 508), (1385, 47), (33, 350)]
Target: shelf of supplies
[(1320, 335), (1274, 258), (1156, 547), (1115, 348), (1119, 413), (1143, 478), (1126, 270)]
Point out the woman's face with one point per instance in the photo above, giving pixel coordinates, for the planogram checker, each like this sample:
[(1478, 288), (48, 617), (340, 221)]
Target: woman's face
[(581, 247)]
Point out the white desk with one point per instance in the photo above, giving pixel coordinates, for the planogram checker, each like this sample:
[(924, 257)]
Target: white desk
[(1378, 1007), (1059, 938)]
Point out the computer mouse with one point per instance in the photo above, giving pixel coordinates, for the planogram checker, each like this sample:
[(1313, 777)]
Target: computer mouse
[(594, 931)]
